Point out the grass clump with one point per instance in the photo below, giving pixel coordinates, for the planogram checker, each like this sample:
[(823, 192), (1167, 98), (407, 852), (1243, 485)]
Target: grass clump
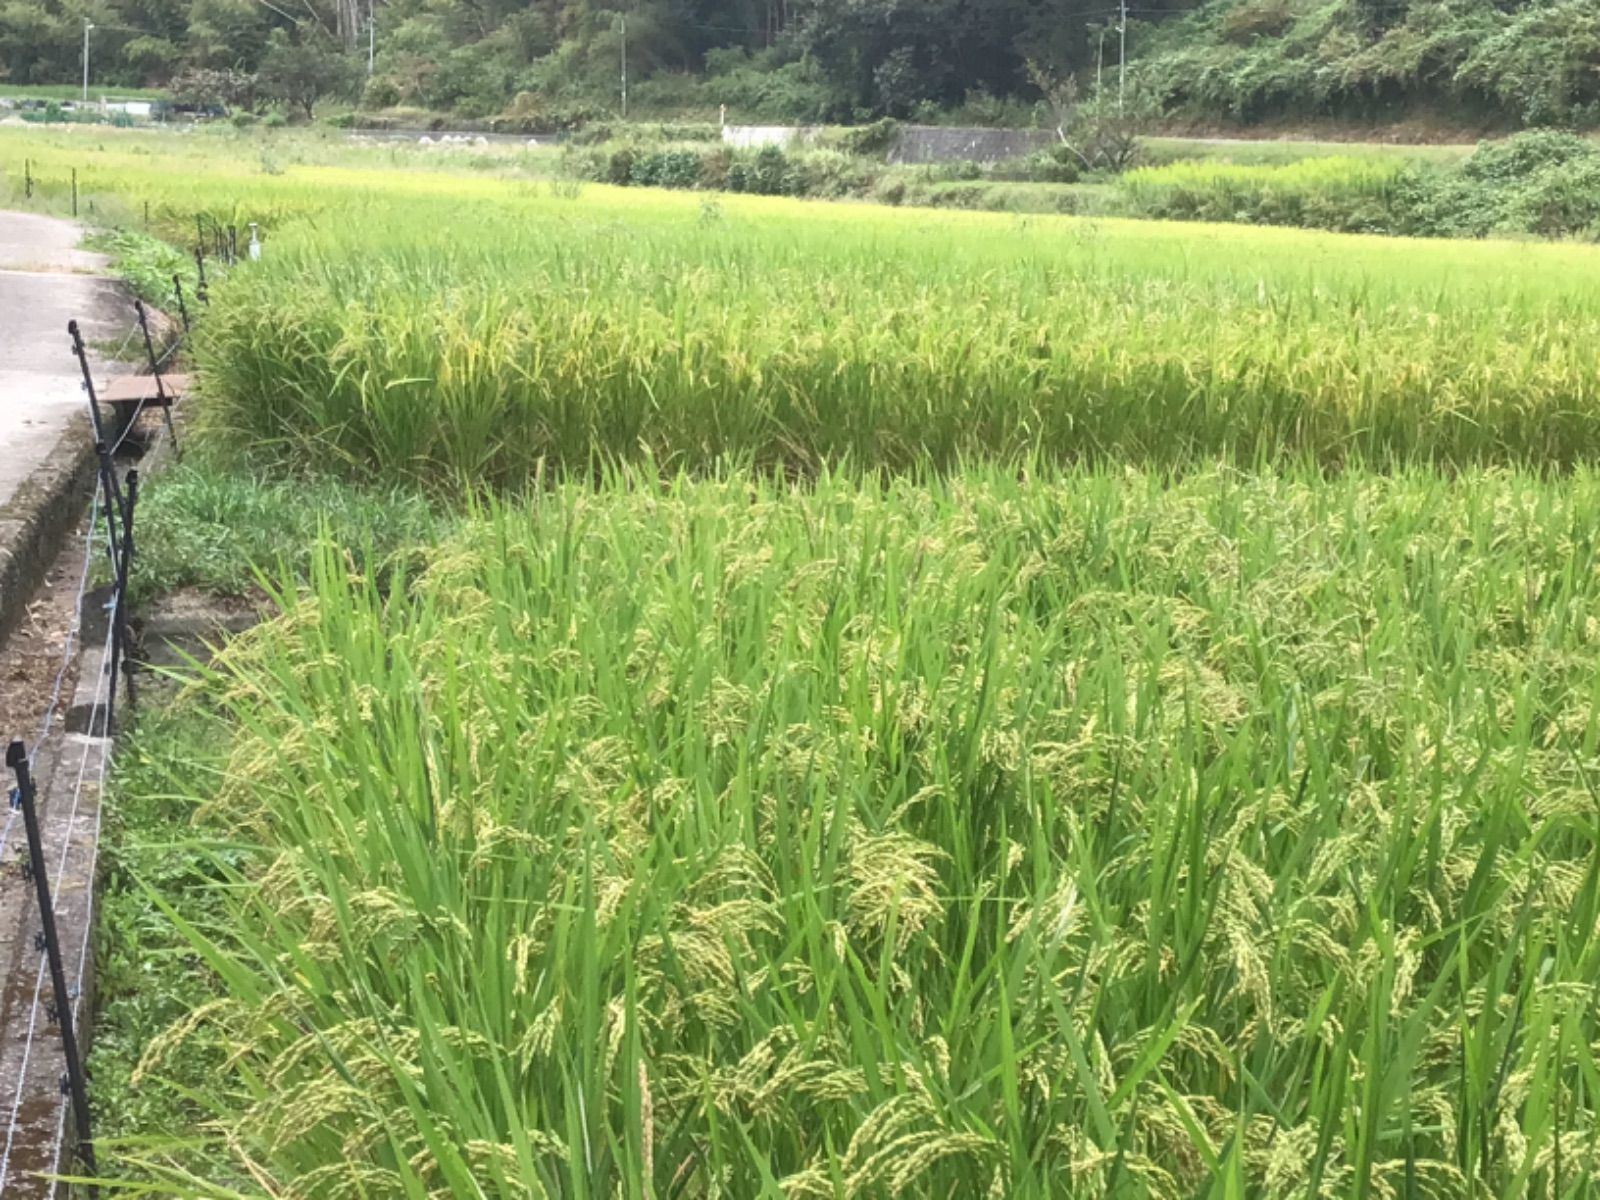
[(207, 524), (1099, 835)]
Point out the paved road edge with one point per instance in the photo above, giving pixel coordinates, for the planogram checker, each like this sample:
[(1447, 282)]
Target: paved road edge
[(38, 516)]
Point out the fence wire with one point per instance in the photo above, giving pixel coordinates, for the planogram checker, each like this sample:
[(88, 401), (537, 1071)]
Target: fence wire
[(103, 687), (90, 743), (66, 659)]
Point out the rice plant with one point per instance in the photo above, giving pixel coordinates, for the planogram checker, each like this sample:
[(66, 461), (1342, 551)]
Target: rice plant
[(863, 743), (464, 330), (1280, 194), (405, 348), (1095, 835)]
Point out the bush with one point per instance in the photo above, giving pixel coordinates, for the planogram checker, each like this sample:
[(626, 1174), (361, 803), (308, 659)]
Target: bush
[(381, 91), (1563, 202), (876, 139), (1516, 159), (714, 167), (889, 190), (1056, 165), (667, 169), (769, 171), (619, 166), (276, 119)]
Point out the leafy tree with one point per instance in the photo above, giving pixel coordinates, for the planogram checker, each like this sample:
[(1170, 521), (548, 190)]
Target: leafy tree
[(301, 72), (207, 87), (1101, 130)]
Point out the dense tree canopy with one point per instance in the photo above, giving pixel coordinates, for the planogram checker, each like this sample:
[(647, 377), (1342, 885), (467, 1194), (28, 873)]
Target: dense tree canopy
[(1528, 61)]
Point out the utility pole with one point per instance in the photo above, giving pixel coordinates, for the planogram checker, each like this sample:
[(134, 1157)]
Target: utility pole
[(372, 36), (1122, 52), (623, 20), (87, 25), (1100, 61)]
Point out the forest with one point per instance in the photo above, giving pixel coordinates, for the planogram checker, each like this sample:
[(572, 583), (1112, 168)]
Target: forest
[(1487, 64)]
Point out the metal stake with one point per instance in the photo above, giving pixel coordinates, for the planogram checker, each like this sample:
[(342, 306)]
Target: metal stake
[(183, 309), (120, 655), (155, 369), (108, 479)]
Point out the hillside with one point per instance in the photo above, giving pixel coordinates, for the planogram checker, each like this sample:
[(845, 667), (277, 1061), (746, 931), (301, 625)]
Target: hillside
[(1496, 65), (1507, 64)]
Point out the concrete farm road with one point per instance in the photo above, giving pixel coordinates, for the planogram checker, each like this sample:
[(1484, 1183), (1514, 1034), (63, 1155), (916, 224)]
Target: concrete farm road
[(45, 281)]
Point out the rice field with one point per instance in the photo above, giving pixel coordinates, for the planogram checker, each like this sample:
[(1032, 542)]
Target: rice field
[(578, 334), (904, 705), (1094, 836), (1280, 193), (460, 328)]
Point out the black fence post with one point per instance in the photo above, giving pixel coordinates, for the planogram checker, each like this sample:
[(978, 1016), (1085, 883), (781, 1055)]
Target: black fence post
[(27, 178), (17, 760), (74, 191), (115, 517), (183, 309), (121, 656), (164, 400), (200, 288)]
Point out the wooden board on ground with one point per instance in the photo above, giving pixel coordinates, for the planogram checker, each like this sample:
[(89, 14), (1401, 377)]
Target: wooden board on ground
[(141, 389)]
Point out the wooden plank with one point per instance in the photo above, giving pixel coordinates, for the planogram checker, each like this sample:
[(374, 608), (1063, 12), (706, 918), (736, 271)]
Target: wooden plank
[(141, 389)]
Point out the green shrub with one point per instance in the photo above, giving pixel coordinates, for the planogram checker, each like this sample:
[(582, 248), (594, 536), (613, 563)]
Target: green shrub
[(827, 174), (889, 190), (714, 167), (1515, 159), (381, 91), (769, 172), (1559, 203), (676, 168), (1056, 165), (876, 139), (619, 166)]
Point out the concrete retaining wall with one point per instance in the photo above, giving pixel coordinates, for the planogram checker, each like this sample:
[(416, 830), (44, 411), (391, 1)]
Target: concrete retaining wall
[(943, 143), (913, 143), (750, 137)]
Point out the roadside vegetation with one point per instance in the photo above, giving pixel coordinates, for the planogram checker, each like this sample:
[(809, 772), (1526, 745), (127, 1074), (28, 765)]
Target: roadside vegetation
[(765, 698)]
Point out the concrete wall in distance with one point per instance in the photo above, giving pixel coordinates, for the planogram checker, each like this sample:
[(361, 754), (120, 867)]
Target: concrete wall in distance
[(913, 143), (748, 137), (940, 143)]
